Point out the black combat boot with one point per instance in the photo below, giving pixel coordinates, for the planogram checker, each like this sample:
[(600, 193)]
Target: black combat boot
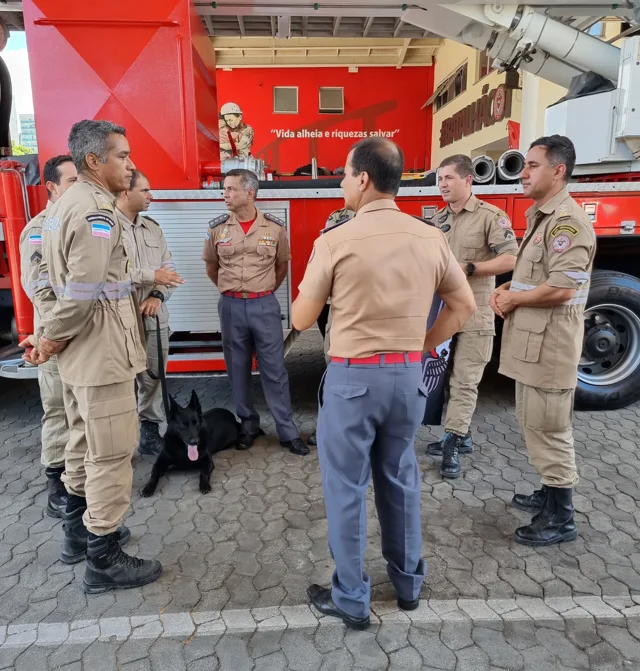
[(466, 445), (531, 503), (450, 466), (108, 567), (553, 524), (295, 446), (57, 494), (74, 547), (150, 440)]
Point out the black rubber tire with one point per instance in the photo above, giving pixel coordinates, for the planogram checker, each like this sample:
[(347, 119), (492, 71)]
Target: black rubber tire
[(617, 288)]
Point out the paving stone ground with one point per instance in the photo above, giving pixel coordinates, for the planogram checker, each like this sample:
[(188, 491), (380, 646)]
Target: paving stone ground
[(238, 560)]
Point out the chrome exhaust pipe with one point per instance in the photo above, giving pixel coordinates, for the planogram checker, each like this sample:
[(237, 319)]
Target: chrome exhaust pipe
[(510, 165), (484, 170)]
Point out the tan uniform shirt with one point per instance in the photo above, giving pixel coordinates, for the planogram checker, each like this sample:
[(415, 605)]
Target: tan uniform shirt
[(479, 232), (30, 257), (541, 347), (246, 262), (146, 247), (381, 270), (85, 292)]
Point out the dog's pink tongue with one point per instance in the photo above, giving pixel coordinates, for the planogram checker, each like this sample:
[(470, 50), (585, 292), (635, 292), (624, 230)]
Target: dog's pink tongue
[(193, 452)]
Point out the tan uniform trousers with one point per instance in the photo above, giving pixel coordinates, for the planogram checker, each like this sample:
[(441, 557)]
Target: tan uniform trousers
[(55, 428), (471, 356), (104, 434), (150, 406), (545, 417)]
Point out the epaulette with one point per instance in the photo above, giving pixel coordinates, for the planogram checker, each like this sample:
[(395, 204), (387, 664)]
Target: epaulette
[(151, 219), (103, 202), (344, 220), (426, 221), (274, 219), (219, 220)]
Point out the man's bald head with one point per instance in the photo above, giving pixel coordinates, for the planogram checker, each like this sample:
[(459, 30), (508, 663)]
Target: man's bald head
[(382, 160)]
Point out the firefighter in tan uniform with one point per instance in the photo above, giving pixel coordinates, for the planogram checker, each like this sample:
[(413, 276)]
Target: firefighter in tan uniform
[(380, 270), (90, 320), (154, 278), (59, 174), (247, 257), (484, 244), (543, 307)]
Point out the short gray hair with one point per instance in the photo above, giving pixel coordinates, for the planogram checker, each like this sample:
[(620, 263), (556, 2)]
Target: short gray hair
[(91, 137), (248, 179)]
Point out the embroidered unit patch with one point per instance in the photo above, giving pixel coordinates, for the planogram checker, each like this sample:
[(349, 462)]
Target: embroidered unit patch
[(100, 230), (35, 239)]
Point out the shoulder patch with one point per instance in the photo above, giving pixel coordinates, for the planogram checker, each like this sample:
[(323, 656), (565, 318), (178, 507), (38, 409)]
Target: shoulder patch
[(563, 228), (219, 220), (273, 218), (503, 222), (36, 257), (340, 222), (100, 218), (422, 219)]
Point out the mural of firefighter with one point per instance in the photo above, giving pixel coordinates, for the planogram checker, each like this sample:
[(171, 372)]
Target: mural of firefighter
[(236, 137)]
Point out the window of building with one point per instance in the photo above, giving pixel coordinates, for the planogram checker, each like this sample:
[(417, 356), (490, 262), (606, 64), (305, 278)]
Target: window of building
[(285, 99), (331, 100), (451, 87), (597, 29), (485, 65)]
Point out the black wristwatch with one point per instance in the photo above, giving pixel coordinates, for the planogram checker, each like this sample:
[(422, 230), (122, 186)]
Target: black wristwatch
[(471, 268), (157, 294)]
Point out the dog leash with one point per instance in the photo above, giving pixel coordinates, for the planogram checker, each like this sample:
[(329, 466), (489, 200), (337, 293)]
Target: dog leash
[(161, 373)]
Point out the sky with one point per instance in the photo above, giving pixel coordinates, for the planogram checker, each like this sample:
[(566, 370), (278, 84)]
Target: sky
[(15, 56)]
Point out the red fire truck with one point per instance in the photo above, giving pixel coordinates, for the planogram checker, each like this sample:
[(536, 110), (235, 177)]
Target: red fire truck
[(150, 66)]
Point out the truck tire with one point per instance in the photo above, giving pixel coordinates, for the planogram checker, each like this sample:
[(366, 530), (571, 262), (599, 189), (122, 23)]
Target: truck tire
[(609, 371)]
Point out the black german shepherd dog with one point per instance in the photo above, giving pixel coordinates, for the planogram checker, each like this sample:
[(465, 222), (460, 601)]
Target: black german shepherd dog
[(191, 440)]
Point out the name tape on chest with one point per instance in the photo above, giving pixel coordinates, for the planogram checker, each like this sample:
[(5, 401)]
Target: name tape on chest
[(35, 239)]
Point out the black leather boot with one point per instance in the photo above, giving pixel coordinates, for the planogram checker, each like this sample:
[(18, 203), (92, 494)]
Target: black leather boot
[(296, 446), (553, 524), (74, 547), (450, 466), (320, 597), (150, 439), (466, 445), (531, 503), (57, 494), (108, 567)]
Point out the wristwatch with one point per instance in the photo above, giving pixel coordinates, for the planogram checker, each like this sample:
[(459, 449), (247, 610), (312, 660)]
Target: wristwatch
[(157, 294), (471, 268)]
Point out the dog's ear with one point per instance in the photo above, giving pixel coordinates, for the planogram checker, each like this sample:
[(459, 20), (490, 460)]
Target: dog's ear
[(173, 406), (195, 401)]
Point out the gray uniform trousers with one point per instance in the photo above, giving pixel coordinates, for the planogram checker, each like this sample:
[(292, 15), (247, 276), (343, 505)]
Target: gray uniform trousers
[(368, 419), (248, 324)]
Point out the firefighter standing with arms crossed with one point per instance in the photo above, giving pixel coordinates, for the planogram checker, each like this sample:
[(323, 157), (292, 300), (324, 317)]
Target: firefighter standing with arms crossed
[(59, 174), (543, 307), (484, 244), (381, 270), (154, 278), (90, 320)]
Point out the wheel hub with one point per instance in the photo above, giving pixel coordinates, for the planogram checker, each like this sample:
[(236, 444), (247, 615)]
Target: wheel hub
[(601, 341)]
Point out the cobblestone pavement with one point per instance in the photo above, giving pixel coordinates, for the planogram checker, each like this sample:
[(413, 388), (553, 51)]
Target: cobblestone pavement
[(238, 560)]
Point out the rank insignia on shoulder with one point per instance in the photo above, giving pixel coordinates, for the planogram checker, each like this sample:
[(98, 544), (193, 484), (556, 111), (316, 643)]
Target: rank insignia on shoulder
[(219, 220), (146, 217), (36, 257), (426, 221), (273, 218), (103, 202), (333, 225)]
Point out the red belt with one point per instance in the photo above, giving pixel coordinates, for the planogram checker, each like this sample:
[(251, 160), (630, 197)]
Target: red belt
[(389, 359), (246, 294)]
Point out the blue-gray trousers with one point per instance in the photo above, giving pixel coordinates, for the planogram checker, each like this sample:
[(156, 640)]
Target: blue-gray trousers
[(368, 419), (248, 324)]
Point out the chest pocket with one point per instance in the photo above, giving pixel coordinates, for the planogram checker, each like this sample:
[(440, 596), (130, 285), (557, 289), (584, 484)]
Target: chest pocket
[(529, 325), (532, 264), (266, 252), (471, 247), (225, 251), (154, 253)]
